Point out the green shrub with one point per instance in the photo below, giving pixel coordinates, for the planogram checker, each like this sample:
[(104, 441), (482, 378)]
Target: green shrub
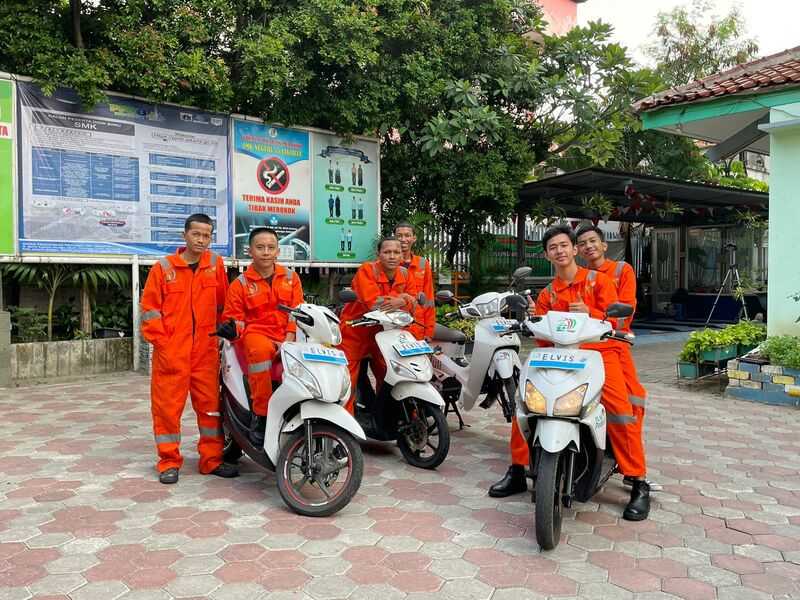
[(782, 350), (27, 325), (746, 333)]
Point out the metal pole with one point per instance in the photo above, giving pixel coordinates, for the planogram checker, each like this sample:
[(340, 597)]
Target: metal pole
[(135, 310)]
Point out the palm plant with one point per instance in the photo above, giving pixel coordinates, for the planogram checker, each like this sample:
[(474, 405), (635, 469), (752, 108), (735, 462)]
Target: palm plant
[(50, 277)]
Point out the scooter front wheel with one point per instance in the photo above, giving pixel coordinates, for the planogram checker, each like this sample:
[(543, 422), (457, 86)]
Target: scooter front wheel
[(231, 452), (328, 482), (549, 483), (423, 438)]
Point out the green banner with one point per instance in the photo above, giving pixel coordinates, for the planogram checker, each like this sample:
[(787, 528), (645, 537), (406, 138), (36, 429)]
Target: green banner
[(6, 167)]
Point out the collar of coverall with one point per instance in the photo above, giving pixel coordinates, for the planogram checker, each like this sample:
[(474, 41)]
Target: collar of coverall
[(412, 262), (177, 260), (251, 273), (559, 285), (383, 278)]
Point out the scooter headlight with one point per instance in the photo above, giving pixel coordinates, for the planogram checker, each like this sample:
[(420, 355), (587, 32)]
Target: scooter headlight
[(534, 399), (336, 334), (570, 404), (345, 393), (296, 369), (402, 370), (487, 309), (400, 318)]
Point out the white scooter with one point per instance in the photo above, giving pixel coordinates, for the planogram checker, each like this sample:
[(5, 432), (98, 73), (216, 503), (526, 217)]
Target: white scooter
[(560, 414), (406, 408), (493, 368), (310, 438)]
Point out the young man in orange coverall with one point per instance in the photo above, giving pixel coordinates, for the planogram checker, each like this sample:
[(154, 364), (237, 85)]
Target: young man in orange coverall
[(252, 304), (592, 247), (576, 289), (382, 284), (420, 270), (181, 305)]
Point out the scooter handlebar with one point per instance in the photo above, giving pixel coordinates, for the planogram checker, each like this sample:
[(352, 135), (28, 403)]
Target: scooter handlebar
[(619, 336)]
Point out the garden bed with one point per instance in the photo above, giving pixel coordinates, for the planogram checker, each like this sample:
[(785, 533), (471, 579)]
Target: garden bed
[(48, 360), (770, 384)]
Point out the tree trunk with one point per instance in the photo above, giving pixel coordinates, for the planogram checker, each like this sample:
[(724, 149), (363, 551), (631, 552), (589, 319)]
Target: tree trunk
[(75, 10), (86, 310), (50, 315), (521, 218)]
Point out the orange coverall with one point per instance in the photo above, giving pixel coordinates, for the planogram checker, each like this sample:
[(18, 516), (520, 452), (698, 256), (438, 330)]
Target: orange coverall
[(180, 308), (425, 316), (597, 292), (625, 280), (371, 286), (253, 303)]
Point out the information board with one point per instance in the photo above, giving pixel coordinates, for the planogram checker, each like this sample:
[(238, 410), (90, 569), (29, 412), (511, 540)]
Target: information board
[(6, 167)]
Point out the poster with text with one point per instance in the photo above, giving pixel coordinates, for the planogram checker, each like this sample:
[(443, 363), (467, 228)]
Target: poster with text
[(346, 199), (119, 179), (272, 186), (6, 167)]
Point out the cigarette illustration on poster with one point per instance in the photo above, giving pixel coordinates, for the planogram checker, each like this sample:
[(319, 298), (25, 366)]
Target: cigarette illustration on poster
[(346, 195), (272, 186)]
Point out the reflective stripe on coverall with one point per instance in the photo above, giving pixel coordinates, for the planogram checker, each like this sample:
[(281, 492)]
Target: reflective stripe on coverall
[(597, 292), (253, 303), (180, 308), (372, 286)]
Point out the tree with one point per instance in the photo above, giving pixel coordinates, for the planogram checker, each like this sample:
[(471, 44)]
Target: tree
[(50, 277), (691, 42)]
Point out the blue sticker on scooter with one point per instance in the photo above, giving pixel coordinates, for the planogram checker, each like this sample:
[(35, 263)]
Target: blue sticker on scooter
[(499, 327), (556, 364), (325, 358), (413, 349)]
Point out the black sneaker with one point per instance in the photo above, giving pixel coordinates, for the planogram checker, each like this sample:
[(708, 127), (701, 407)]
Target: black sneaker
[(225, 470), (168, 476)]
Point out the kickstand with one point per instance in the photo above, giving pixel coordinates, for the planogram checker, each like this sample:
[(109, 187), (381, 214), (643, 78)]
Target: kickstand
[(451, 406)]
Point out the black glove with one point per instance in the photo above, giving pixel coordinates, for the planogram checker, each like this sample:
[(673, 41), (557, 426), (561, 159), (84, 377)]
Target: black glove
[(227, 330)]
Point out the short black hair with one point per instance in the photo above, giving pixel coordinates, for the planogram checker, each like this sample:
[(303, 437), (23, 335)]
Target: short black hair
[(588, 228), (259, 231), (558, 230), (386, 238), (198, 218), (407, 225)]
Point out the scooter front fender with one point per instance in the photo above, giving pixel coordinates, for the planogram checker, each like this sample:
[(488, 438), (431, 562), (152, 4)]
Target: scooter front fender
[(415, 389), (333, 413), (503, 363), (554, 435)]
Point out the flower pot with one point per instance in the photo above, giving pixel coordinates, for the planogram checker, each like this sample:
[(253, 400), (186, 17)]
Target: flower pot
[(108, 332), (687, 370), (744, 349), (719, 354)]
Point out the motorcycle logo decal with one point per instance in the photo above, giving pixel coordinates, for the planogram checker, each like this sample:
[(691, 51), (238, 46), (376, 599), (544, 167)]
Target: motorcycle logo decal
[(566, 325)]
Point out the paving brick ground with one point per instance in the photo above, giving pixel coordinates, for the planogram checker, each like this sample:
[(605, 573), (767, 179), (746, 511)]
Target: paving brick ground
[(82, 516)]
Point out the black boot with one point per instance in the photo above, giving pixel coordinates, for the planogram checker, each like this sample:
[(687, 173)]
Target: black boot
[(512, 483), (257, 427), (639, 506)]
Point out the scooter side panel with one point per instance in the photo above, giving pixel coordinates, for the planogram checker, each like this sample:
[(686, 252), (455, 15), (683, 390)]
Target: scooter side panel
[(487, 342), (333, 413), (423, 391), (503, 363), (289, 393), (595, 421), (232, 375), (555, 435)]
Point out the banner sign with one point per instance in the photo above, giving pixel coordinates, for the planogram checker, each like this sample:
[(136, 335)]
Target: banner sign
[(346, 199), (272, 186), (119, 179), (6, 167)]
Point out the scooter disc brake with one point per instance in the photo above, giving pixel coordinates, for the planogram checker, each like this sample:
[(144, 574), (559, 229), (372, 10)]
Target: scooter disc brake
[(416, 433)]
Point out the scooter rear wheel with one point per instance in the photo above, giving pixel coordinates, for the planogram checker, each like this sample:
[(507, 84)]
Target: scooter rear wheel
[(549, 483), (424, 441), (231, 452), (336, 470)]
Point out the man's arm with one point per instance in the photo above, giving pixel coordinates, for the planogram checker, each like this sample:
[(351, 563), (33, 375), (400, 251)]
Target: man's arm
[(222, 288), (626, 291), (151, 304), (428, 311), (297, 299), (604, 294), (235, 307), (366, 288)]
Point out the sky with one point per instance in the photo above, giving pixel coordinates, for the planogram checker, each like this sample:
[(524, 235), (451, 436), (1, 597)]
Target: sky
[(773, 23)]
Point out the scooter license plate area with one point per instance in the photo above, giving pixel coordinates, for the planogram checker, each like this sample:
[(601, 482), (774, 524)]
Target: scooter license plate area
[(331, 356), (558, 359), (412, 349)]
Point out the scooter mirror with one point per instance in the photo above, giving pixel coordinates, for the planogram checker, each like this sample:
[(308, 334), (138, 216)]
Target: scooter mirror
[(347, 295), (619, 310), (445, 297), (521, 272)]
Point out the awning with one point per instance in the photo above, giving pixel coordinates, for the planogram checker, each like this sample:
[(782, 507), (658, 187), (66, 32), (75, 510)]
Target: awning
[(641, 198)]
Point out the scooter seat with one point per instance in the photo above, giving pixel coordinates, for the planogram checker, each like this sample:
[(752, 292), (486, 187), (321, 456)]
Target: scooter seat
[(446, 334)]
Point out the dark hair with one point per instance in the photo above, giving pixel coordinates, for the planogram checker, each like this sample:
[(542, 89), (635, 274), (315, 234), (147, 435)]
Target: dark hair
[(259, 231), (198, 218), (386, 238), (588, 229), (406, 225), (558, 230)]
